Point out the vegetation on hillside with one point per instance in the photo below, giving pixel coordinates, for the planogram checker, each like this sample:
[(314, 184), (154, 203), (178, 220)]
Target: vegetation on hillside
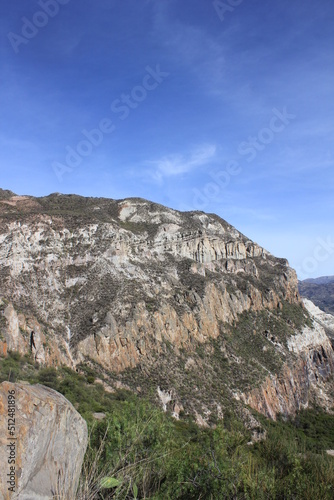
[(236, 361), (137, 451)]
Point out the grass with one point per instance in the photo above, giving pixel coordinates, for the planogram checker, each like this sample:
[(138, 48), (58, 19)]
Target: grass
[(167, 459), (142, 452)]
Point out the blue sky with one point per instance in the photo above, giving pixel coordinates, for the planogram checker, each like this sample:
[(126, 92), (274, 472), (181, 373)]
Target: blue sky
[(224, 107)]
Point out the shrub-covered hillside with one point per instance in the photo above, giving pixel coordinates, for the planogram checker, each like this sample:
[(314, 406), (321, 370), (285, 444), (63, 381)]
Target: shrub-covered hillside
[(138, 451)]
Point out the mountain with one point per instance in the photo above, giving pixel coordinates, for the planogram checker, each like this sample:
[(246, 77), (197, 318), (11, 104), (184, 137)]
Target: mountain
[(178, 306), (320, 291), (323, 280)]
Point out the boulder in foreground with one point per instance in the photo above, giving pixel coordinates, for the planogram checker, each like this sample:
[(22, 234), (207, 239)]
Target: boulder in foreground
[(43, 440)]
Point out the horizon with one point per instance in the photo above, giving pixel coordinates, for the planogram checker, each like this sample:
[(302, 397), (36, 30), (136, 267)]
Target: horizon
[(221, 107)]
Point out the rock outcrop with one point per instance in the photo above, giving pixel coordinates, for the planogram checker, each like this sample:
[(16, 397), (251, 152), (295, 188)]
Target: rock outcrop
[(324, 319), (302, 379), (43, 440), (155, 298)]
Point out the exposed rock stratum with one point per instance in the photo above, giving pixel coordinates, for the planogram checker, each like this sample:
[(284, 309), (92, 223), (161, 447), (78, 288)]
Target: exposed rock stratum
[(153, 298)]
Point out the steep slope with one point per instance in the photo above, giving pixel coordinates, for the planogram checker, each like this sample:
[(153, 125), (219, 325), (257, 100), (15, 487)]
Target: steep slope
[(320, 291), (181, 304)]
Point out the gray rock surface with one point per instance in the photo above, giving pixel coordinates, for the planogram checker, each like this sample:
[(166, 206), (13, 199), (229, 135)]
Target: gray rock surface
[(89, 276), (150, 297), (46, 444)]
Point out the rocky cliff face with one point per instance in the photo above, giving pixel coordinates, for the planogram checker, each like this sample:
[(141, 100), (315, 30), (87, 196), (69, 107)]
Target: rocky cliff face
[(157, 298), (305, 380)]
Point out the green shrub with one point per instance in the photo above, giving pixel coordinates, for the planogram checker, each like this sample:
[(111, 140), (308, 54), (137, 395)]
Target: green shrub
[(148, 454), (168, 459)]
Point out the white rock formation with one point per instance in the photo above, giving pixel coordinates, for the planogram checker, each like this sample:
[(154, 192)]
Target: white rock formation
[(325, 319)]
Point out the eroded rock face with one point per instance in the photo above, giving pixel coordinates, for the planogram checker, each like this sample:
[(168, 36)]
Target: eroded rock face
[(141, 289), (16, 335), (119, 347), (45, 442), (113, 280), (301, 380)]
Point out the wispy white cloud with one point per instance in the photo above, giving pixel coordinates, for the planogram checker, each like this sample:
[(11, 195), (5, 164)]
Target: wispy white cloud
[(178, 164)]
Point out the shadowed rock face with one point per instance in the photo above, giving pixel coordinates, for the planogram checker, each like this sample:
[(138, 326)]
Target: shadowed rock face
[(48, 443), (142, 290)]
